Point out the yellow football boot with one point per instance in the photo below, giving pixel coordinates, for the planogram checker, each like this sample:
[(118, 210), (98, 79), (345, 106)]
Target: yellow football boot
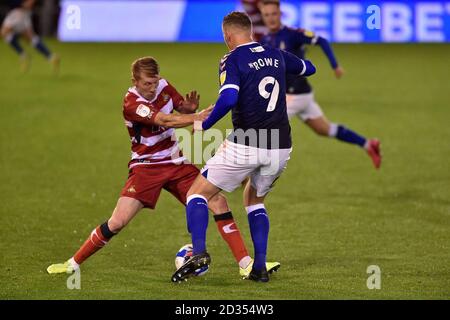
[(270, 266), (65, 267)]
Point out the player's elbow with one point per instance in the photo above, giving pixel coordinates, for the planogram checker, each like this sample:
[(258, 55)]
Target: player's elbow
[(310, 69), (165, 120), (322, 42), (228, 99)]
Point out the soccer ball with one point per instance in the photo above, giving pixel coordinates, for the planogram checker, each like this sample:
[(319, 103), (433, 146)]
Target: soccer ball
[(183, 255)]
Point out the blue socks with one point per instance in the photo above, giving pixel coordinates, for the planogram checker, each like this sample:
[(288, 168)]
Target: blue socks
[(259, 228), (344, 134), (197, 221), (40, 46), (13, 40)]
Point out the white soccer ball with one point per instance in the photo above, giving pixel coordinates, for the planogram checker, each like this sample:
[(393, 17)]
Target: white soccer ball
[(183, 255)]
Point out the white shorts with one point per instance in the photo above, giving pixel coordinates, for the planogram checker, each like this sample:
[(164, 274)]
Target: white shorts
[(18, 20), (234, 162), (303, 106)]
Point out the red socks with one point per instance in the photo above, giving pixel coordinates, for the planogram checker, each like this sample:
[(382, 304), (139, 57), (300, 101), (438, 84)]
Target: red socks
[(231, 234), (97, 240)]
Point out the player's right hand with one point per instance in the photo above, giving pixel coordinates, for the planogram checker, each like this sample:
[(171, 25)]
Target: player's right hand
[(205, 113), (339, 72), (200, 117)]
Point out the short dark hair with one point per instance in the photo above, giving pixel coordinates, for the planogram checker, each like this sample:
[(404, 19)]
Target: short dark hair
[(237, 19)]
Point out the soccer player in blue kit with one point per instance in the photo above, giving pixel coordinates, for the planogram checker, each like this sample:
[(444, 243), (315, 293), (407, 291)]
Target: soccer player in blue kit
[(252, 86), (299, 94)]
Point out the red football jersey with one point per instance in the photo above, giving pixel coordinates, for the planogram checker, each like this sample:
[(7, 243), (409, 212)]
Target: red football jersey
[(151, 144)]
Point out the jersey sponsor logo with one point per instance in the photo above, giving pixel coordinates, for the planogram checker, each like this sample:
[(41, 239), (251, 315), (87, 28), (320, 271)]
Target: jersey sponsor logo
[(144, 111), (227, 228), (223, 77), (257, 49)]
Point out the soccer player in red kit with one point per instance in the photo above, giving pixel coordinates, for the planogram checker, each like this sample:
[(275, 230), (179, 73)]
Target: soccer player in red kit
[(157, 163)]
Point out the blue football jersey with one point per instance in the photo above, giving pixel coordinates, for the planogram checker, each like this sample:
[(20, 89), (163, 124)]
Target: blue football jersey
[(259, 74), (293, 41)]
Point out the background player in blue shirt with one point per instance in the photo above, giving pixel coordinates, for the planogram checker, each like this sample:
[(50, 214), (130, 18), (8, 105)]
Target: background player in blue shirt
[(300, 97), (252, 86)]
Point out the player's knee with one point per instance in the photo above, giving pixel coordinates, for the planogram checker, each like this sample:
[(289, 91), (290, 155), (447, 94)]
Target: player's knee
[(218, 204), (190, 192), (116, 223), (6, 34)]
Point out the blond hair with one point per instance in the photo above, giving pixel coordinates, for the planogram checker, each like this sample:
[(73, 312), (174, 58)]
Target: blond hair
[(146, 65), (237, 19)]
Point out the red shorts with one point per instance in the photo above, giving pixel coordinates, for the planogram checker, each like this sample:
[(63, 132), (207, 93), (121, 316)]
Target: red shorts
[(146, 181)]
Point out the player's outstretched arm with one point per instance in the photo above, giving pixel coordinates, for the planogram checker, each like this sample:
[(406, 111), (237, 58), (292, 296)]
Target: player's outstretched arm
[(308, 37), (174, 120), (295, 65), (227, 100), (326, 48)]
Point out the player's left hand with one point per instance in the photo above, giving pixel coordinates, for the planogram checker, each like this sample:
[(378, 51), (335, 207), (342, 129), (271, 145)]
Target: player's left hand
[(191, 102), (339, 72)]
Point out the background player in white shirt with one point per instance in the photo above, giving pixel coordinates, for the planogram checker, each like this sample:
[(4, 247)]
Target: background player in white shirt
[(18, 23)]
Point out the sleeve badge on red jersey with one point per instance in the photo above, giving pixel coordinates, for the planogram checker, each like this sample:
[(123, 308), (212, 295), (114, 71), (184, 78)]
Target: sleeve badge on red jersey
[(166, 97), (144, 111)]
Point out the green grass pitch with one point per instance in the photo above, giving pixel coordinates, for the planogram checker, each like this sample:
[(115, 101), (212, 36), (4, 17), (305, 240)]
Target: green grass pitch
[(63, 160)]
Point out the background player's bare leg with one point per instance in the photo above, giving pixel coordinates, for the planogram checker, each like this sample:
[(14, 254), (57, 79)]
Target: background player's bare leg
[(324, 128), (320, 125), (12, 39), (39, 45), (6, 31)]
